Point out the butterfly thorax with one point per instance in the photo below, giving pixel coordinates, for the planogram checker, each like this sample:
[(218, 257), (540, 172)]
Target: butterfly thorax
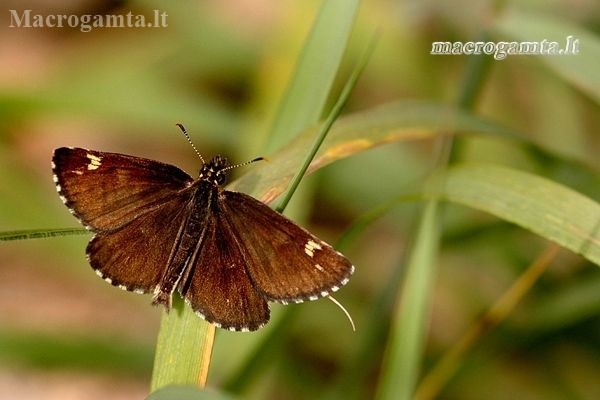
[(215, 171)]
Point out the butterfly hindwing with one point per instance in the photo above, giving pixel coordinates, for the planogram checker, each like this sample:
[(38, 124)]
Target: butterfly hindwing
[(285, 262), (218, 286), (107, 190), (135, 256)]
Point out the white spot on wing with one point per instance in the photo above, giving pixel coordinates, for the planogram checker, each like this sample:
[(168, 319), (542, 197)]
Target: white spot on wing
[(310, 247), (95, 162)]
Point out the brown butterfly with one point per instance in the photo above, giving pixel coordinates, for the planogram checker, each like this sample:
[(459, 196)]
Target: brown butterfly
[(157, 230)]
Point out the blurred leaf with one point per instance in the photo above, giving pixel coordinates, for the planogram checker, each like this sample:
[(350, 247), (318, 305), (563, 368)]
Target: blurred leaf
[(181, 392), (310, 85), (354, 133), (332, 116), (404, 350), (82, 353), (147, 78), (544, 207), (563, 308), (580, 69)]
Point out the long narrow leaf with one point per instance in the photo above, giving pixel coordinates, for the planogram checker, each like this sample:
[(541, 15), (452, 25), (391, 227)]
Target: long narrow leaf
[(183, 349), (544, 207), (361, 131), (309, 88), (580, 69), (399, 373)]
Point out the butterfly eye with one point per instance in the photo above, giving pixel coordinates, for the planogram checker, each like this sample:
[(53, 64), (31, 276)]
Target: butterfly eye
[(220, 177)]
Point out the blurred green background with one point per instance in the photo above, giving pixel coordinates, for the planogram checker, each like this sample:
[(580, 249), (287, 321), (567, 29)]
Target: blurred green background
[(221, 68)]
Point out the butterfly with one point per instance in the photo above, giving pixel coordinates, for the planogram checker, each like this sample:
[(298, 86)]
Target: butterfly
[(157, 230)]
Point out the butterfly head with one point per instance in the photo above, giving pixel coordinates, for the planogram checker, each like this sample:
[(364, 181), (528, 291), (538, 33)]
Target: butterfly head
[(215, 171)]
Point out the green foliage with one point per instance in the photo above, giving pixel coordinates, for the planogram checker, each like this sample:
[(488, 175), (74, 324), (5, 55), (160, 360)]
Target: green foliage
[(446, 203)]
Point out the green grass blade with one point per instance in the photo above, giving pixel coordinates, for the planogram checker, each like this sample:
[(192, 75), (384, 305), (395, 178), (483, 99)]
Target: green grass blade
[(41, 233), (310, 86), (361, 131), (331, 118), (183, 349), (544, 207), (400, 369)]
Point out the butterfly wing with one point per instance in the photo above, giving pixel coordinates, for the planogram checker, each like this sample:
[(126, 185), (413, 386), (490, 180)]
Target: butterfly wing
[(285, 262), (218, 286), (130, 203), (135, 256), (108, 190)]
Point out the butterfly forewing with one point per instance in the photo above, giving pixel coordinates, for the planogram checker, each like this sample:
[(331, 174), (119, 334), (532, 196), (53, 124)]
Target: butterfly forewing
[(218, 286), (285, 262), (107, 190)]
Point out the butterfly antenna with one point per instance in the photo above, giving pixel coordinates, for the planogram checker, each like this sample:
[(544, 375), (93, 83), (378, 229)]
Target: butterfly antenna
[(182, 128), (244, 163), (337, 303)]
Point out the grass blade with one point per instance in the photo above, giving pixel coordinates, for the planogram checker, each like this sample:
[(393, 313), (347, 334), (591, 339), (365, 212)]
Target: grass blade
[(544, 207), (183, 349), (310, 85), (400, 369)]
